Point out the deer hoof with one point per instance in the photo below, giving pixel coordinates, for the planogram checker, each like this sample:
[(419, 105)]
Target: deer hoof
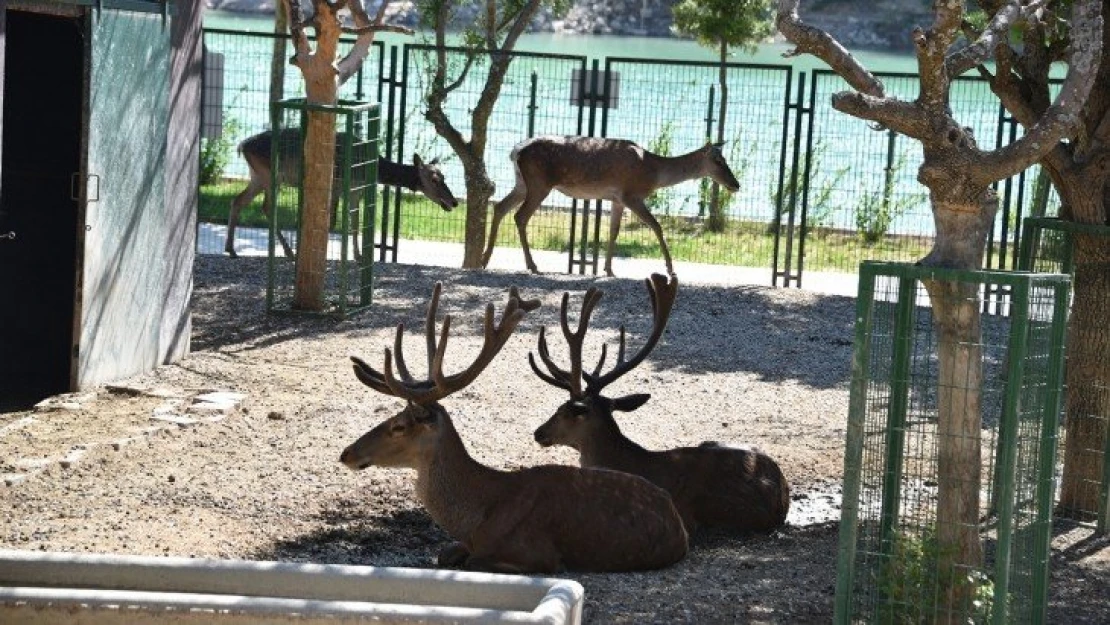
[(231, 254)]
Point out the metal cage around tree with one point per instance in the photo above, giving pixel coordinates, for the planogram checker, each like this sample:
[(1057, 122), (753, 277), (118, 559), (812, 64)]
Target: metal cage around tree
[(348, 271), (888, 569), (1049, 244)]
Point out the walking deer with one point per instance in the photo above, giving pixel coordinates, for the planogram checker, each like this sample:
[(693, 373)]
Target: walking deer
[(712, 484), (539, 519), (421, 176), (593, 168)]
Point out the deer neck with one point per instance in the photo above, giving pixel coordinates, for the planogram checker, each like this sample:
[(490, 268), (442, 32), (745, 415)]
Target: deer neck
[(608, 447), (672, 170), (455, 489), (398, 175)]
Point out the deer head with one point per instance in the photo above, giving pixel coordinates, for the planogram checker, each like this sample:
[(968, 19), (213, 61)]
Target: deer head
[(432, 183), (717, 167), (588, 414), (412, 436)]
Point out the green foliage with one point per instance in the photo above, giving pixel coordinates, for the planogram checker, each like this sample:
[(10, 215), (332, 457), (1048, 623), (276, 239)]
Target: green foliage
[(659, 203), (215, 154), (741, 161), (875, 211), (909, 583), (736, 23), (819, 207)]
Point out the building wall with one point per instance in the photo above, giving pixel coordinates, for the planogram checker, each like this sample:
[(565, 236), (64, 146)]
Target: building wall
[(182, 165)]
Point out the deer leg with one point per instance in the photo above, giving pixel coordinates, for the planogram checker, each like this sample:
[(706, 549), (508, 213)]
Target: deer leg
[(641, 210), (502, 208), (531, 203), (616, 214), (281, 237), (237, 204)]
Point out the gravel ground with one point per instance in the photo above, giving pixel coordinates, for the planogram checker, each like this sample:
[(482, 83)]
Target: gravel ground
[(749, 365)]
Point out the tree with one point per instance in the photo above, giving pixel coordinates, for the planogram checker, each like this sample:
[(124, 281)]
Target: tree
[(720, 25), (1080, 170), (322, 76), (493, 37), (958, 176)]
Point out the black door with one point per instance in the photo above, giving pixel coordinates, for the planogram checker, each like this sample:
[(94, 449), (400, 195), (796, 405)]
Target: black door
[(42, 125)]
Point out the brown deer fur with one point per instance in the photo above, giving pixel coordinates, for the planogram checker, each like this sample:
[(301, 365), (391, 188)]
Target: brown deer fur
[(711, 484), (536, 520)]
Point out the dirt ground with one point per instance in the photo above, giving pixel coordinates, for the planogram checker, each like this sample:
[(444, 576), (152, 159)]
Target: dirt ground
[(117, 470)]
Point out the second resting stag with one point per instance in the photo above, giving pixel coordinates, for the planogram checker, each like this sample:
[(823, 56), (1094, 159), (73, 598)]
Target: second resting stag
[(712, 484)]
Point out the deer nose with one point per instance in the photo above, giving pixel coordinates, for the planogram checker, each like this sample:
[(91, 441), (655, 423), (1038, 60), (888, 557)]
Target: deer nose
[(343, 457)]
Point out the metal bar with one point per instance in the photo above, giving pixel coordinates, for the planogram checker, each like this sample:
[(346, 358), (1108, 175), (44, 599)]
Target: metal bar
[(853, 452), (786, 106), (369, 194), (896, 414), (400, 149), (532, 104), (807, 172), (1016, 352), (344, 202), (1050, 427), (275, 160), (383, 245), (708, 137)]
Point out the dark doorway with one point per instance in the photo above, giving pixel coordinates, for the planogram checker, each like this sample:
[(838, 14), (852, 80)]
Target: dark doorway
[(43, 91)]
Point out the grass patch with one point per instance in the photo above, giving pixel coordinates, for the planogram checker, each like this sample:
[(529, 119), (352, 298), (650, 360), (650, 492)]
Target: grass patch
[(741, 243)]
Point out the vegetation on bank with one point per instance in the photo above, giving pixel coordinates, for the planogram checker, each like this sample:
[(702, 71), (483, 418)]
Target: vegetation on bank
[(741, 243)]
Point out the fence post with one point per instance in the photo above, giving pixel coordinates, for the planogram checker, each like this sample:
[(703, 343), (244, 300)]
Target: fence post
[(708, 137), (532, 105)]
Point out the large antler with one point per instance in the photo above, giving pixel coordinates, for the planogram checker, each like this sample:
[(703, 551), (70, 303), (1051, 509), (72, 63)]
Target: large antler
[(662, 294), (568, 380), (438, 385)]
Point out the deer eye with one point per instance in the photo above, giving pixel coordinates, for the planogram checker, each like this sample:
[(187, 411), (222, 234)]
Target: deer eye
[(397, 429)]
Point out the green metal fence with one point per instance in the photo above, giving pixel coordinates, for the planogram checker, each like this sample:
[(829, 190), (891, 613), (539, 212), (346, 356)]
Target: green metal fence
[(820, 191), (348, 271), (1049, 245), (889, 550)]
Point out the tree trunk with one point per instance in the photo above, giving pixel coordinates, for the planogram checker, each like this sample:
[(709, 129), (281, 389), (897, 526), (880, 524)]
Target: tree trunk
[(479, 190), (963, 222), (1088, 379), (716, 211), (319, 160), (279, 56)]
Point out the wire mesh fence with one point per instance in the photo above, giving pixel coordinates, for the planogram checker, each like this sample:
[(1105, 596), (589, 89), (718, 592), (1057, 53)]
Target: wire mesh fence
[(907, 554), (342, 272), (820, 190), (238, 76), (1051, 245)]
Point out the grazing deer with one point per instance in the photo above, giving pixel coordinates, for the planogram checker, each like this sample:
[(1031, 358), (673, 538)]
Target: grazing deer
[(593, 168), (539, 519), (421, 176), (712, 484)]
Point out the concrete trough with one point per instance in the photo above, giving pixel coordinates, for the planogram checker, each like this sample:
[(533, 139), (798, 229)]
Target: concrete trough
[(95, 589)]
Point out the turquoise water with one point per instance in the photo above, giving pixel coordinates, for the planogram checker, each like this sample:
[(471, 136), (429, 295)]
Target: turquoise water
[(656, 103)]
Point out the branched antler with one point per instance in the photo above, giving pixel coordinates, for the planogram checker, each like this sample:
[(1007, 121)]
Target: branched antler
[(662, 292), (438, 385)]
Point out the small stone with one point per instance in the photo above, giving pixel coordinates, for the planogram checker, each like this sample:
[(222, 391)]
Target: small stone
[(274, 415)]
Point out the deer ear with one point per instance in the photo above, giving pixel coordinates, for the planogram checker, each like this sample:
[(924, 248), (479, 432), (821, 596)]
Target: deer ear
[(628, 403), (416, 160)]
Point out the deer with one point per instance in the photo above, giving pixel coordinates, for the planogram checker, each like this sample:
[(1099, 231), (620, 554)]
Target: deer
[(540, 519), (712, 485), (594, 168), (422, 176)]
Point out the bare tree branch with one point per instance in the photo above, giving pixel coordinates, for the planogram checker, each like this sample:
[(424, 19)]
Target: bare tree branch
[(1063, 116), (902, 117), (931, 47), (996, 34), (812, 40), (365, 29)]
